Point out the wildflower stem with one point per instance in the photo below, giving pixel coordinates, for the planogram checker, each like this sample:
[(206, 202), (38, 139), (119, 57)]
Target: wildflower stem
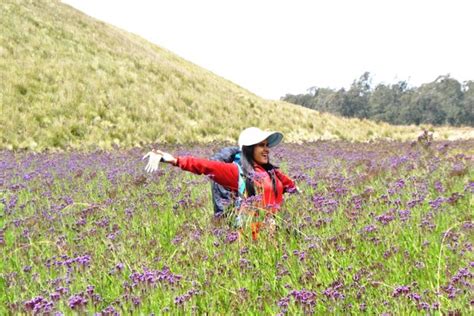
[(440, 254)]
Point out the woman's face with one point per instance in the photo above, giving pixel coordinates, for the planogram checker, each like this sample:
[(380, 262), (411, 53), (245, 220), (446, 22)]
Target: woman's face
[(261, 153)]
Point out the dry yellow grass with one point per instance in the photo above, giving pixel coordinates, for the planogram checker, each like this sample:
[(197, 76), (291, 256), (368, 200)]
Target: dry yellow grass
[(70, 81)]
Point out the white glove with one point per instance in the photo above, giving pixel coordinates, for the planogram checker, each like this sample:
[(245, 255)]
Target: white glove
[(154, 159)]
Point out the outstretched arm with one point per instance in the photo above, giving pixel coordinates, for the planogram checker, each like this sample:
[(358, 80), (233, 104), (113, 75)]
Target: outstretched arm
[(226, 174)]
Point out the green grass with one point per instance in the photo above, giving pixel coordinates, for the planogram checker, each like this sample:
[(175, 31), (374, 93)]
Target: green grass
[(116, 214)]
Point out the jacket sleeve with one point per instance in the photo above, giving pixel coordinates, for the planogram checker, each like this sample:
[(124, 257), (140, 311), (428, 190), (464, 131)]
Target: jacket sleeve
[(226, 174), (288, 184)]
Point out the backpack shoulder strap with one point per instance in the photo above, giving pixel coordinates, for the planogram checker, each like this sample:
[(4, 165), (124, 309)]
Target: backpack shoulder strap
[(241, 185), (241, 180)]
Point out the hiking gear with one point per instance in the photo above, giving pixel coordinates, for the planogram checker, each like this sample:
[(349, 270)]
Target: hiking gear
[(221, 196), (227, 175), (153, 161), (254, 135), (230, 193), (155, 157)]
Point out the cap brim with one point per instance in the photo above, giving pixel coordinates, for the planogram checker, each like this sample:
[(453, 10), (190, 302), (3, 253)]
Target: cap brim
[(274, 139), (253, 135)]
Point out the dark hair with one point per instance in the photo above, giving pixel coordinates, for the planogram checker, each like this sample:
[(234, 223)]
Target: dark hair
[(247, 163)]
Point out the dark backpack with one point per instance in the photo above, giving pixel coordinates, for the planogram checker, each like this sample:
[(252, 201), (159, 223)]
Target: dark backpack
[(221, 196)]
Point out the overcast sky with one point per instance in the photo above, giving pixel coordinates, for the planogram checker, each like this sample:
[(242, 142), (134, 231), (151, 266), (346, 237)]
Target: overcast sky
[(274, 47)]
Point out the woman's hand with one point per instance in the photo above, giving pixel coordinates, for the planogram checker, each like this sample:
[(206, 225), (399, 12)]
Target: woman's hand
[(155, 157)]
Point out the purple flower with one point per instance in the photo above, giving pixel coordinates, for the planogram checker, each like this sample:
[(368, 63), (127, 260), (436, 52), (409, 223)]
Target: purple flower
[(84, 260), (439, 186), (68, 200), (176, 240), (129, 212), (462, 274), (414, 296), (244, 263), (12, 203), (424, 306), (404, 215), (369, 228), (81, 222), (96, 299), (232, 237), (153, 277), (304, 297), (28, 176), (451, 291), (385, 218), (2, 237), (25, 233), (77, 302), (181, 299), (401, 290), (39, 305), (415, 202), (435, 204), (90, 289), (301, 254), (119, 266), (109, 311), (62, 290), (283, 303), (112, 236), (469, 187), (333, 292), (55, 296), (324, 204), (136, 301)]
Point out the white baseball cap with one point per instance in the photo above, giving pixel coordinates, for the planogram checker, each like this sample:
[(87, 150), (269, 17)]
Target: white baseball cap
[(254, 135)]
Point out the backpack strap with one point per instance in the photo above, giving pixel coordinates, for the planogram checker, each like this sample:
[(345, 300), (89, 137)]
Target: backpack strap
[(237, 220), (241, 185)]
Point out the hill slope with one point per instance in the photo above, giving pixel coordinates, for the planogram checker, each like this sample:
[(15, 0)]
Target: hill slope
[(71, 81)]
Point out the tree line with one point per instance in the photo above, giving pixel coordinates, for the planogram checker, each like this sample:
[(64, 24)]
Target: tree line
[(445, 101)]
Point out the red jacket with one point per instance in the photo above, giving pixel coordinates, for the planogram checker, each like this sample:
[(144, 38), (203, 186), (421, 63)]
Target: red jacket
[(227, 175)]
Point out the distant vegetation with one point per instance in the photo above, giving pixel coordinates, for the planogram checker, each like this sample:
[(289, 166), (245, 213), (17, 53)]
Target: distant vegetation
[(444, 101), (70, 81)]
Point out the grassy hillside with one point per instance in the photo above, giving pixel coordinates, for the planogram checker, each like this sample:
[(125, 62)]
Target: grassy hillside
[(68, 80)]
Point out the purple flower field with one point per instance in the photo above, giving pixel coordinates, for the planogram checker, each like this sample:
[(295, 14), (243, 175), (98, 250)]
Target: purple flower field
[(379, 228)]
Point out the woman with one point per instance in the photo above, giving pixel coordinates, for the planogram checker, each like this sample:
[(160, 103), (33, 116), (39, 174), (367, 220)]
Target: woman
[(254, 177)]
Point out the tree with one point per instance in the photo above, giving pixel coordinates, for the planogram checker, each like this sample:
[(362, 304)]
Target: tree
[(443, 101), (426, 107), (358, 97), (450, 95), (468, 103), (385, 102)]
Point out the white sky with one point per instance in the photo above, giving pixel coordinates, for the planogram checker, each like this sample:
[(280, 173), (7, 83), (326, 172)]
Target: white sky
[(275, 47)]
